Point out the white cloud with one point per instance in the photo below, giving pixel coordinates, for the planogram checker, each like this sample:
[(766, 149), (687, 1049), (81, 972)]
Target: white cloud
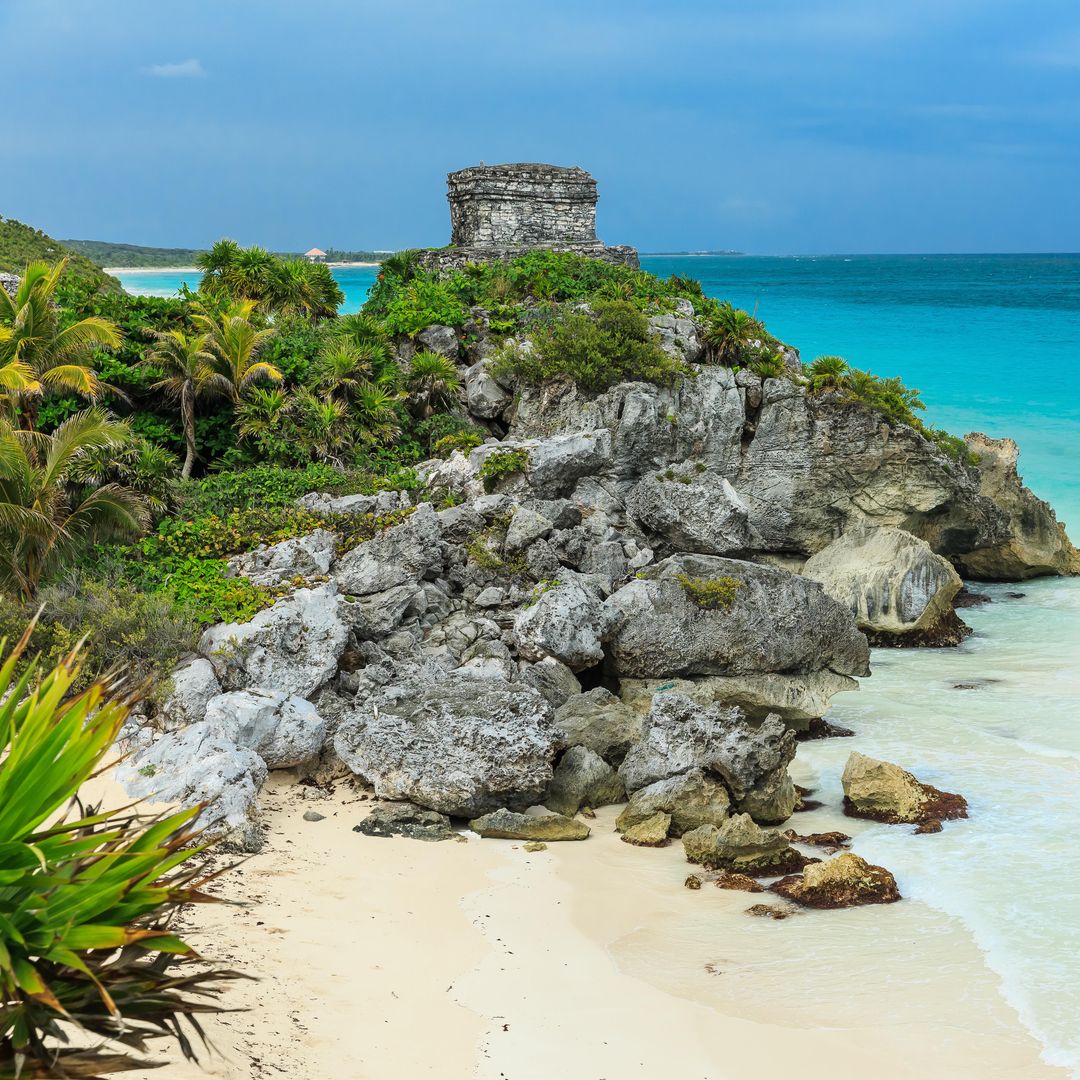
[(186, 69)]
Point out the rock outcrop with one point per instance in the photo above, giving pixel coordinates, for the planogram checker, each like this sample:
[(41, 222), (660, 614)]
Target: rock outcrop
[(845, 881), (506, 825), (689, 800), (582, 778), (881, 791), (893, 583), (741, 846), (404, 819)]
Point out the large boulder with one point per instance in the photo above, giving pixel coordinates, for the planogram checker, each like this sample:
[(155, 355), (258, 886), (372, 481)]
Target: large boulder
[(292, 647), (769, 621), (286, 732), (200, 765), (193, 685), (402, 555), (893, 583), (882, 791), (690, 800), (680, 736), (599, 720), (582, 778), (744, 847), (439, 339), (567, 621), (463, 746), (485, 396), (796, 699), (674, 509), (846, 881), (554, 464), (1036, 543), (298, 557)]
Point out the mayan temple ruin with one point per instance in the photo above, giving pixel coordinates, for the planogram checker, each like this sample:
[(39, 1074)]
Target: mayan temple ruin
[(500, 211)]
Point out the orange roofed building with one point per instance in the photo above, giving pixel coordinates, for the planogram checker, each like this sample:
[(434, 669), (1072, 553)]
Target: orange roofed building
[(315, 255)]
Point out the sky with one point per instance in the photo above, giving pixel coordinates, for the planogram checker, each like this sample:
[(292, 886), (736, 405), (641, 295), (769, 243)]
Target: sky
[(764, 126)]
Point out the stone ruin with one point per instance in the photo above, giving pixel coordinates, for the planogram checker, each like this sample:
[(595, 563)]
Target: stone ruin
[(501, 211)]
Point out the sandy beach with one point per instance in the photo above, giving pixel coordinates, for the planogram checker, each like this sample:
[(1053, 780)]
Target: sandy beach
[(591, 961)]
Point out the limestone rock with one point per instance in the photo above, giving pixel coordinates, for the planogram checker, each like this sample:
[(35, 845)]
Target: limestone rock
[(649, 832), (567, 621), (678, 336), (691, 799), (709, 519), (665, 632), (292, 647), (743, 847), (1036, 542), (193, 685), (506, 825), (526, 527), (284, 731), (439, 339), (845, 881), (582, 778), (882, 791), (599, 720), (404, 819), (462, 747), (384, 502), (556, 683), (892, 582), (486, 398), (299, 556), (797, 699), (402, 555), (200, 765)]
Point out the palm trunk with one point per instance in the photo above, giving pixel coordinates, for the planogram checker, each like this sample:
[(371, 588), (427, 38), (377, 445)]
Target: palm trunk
[(187, 417)]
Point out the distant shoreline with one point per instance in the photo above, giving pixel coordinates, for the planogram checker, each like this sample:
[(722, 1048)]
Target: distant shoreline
[(196, 270)]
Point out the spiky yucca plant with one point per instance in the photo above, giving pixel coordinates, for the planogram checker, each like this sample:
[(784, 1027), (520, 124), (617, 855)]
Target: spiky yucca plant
[(86, 896)]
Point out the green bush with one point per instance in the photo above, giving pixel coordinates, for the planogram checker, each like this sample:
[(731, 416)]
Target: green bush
[(715, 594), (500, 464), (423, 302), (460, 440), (597, 350)]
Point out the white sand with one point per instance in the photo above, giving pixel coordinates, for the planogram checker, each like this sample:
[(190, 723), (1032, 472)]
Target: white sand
[(588, 961)]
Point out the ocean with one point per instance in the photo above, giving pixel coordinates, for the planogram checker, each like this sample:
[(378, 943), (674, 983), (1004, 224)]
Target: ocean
[(993, 343)]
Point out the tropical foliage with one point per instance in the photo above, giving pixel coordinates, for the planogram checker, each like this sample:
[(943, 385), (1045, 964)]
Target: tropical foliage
[(87, 894)]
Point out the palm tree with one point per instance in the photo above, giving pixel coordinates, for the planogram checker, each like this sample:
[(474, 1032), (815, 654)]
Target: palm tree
[(326, 426), (188, 374), (402, 265), (235, 343), (828, 373), (53, 357), (367, 337), (433, 382), (341, 369), (728, 333), (376, 415), (44, 511)]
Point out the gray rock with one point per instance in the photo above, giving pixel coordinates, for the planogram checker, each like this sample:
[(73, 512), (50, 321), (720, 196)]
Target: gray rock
[(599, 720), (678, 336), (381, 503), (492, 596), (506, 825), (404, 819), (199, 765), (692, 799), (314, 815), (556, 683), (680, 735), (582, 778), (526, 526), (664, 632), (743, 847), (461, 747), (403, 555), (300, 556), (567, 621), (286, 732), (193, 685), (292, 647), (374, 616), (709, 519), (485, 397), (439, 339)]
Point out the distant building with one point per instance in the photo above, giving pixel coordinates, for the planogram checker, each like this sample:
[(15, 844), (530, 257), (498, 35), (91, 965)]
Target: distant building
[(500, 211), (315, 255)]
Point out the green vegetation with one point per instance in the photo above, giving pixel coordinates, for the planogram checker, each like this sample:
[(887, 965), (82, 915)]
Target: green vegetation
[(21, 245), (710, 594), (500, 464), (103, 253), (88, 895)]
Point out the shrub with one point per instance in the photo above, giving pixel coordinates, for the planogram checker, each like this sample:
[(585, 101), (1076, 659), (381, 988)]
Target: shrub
[(500, 464), (460, 440), (597, 350), (425, 300), (710, 594), (87, 899)]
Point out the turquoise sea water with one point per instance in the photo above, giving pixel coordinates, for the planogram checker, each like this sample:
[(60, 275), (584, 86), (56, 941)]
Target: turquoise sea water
[(994, 344)]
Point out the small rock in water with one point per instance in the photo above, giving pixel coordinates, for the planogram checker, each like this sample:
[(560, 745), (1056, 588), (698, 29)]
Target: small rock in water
[(1016, 595), (692, 881), (823, 729), (314, 815), (405, 819), (882, 791), (535, 845), (770, 911), (930, 826), (965, 599), (846, 881), (819, 839), (652, 832), (728, 880)]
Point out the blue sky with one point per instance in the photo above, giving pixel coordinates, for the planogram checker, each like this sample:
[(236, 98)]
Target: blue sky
[(775, 126)]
